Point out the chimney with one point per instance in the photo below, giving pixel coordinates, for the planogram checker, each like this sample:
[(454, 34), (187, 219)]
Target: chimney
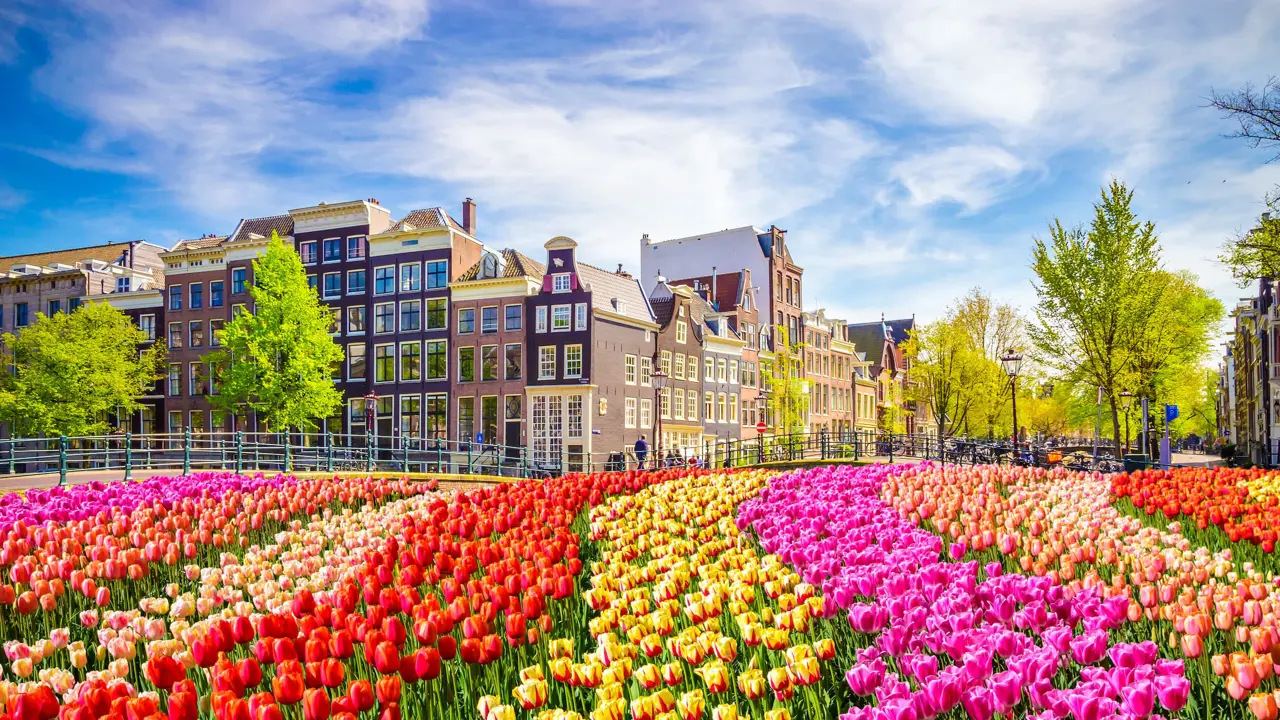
[(714, 304), (1266, 216), (469, 216)]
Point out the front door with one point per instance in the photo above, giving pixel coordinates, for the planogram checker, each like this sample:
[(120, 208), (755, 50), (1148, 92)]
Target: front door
[(511, 438)]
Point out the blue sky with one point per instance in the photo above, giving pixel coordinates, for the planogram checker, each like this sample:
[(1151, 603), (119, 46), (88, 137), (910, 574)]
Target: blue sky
[(911, 148)]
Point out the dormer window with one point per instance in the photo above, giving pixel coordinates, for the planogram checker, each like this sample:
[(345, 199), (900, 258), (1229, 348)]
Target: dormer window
[(560, 282), (489, 267)]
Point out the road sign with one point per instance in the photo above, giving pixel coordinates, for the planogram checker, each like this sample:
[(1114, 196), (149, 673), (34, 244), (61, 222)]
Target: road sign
[(761, 427), (1170, 413)]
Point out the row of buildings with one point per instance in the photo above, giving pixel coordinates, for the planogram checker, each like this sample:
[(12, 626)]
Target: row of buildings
[(446, 338), (1248, 392)]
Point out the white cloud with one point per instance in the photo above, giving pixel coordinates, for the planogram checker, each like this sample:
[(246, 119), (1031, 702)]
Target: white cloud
[(974, 176), (11, 198)]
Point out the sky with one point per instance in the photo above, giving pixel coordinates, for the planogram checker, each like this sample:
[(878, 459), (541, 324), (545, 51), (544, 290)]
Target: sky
[(911, 148)]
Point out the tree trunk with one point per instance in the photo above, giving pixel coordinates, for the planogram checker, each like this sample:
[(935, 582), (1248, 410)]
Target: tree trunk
[(1115, 425)]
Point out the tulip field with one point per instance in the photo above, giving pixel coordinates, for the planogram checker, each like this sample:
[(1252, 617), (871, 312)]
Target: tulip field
[(879, 592)]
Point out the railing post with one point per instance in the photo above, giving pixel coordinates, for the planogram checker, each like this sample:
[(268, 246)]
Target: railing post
[(404, 453), (12, 459), (186, 450), (328, 452), (468, 457), (62, 459), (857, 438), (239, 451), (368, 463), (288, 454), (128, 456), (890, 448), (759, 448)]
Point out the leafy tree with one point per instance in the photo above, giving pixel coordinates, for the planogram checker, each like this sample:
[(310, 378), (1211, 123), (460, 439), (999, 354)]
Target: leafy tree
[(994, 329), (72, 369), (278, 360), (1176, 338), (1256, 253), (893, 416), (944, 366), (787, 397), (1097, 291), (1043, 410)]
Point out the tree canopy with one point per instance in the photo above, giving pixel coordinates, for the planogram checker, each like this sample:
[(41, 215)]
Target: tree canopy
[(1255, 253), (70, 370), (278, 359)]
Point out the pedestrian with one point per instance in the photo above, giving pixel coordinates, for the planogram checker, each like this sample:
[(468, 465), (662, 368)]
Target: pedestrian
[(642, 452)]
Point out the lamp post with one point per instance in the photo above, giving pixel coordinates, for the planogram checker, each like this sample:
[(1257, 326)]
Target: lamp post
[(659, 384), (1126, 402), (1012, 362), (370, 404)]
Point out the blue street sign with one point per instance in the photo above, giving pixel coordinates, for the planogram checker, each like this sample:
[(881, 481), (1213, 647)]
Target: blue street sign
[(1170, 413)]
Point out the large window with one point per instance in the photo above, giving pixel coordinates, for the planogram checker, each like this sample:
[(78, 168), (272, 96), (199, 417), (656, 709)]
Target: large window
[(489, 319), (384, 363), (721, 374), (437, 415), (307, 251), (664, 362), (488, 362), (664, 403), (682, 332), (709, 364), (541, 324), (437, 314), (20, 314), (708, 407), (580, 316), (215, 293), (195, 376), (733, 372), (437, 274), (356, 361), (197, 296), (466, 418), (677, 404), (679, 366), (514, 316), (410, 277), (646, 413), (514, 362), (466, 363), (384, 318), (410, 315), (575, 416), (629, 369), (514, 405), (175, 297), (573, 361), (489, 418), (547, 362), (559, 318), (410, 416), (175, 335), (560, 283), (691, 406), (175, 380), (646, 371), (332, 285), (355, 319), (629, 412), (197, 333), (466, 321), (333, 250), (355, 248), (237, 280), (410, 361), (722, 415), (384, 280), (437, 359), (147, 324)]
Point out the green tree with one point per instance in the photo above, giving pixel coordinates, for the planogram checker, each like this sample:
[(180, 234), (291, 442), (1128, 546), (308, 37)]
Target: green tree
[(945, 364), (1256, 111), (788, 399), (1175, 339), (72, 369), (1097, 291), (994, 329), (278, 360), (1256, 253)]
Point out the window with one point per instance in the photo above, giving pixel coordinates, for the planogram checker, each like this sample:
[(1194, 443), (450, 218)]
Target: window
[(514, 412), (488, 362), (195, 378), (20, 315), (355, 248), (55, 307), (196, 329), (560, 283), (355, 319), (332, 285), (312, 282), (175, 297), (664, 363), (384, 363), (384, 318), (691, 406), (356, 361), (356, 282), (514, 317), (175, 380), (437, 314), (466, 363), (575, 416), (122, 284), (733, 410), (410, 315), (410, 416), (629, 369), (547, 362), (646, 413), (237, 280), (708, 407), (629, 412), (437, 359), (679, 367), (197, 296), (682, 331), (580, 316), (466, 418), (677, 404), (437, 274), (709, 367), (573, 361), (664, 403), (410, 361), (74, 304), (515, 362), (175, 335), (332, 250), (489, 418), (215, 293), (307, 251), (489, 320), (541, 325), (384, 280), (146, 323), (721, 365), (410, 277), (720, 409), (646, 371), (559, 318)]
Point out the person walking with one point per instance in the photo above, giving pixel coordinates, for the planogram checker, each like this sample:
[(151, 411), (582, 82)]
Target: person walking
[(642, 451)]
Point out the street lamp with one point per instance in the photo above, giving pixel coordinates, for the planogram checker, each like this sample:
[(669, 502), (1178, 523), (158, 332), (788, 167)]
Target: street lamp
[(1126, 402), (1012, 362), (370, 403), (659, 383)]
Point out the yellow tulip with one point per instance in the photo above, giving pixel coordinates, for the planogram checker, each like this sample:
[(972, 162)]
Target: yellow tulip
[(692, 705), (715, 676), (725, 712)]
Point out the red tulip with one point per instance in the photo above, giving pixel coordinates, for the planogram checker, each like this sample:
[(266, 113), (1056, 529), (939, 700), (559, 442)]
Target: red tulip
[(427, 663), (163, 671), (250, 672), (103, 597), (471, 651), (204, 651), (315, 705), (492, 645), (341, 645), (390, 712), (182, 706), (386, 658), (287, 688), (331, 672), (242, 630), (388, 689), (361, 694), (448, 645)]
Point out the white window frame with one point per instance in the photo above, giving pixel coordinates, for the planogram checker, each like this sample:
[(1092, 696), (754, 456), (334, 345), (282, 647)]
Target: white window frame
[(580, 316), (709, 369), (646, 371), (547, 360), (400, 277), (366, 282), (394, 280), (721, 407), (678, 367), (709, 406), (426, 364), (395, 360), (557, 280), (541, 322), (733, 372), (677, 404), (629, 412), (366, 361), (568, 354), (629, 370), (395, 318), (733, 409), (691, 406), (722, 367), (568, 318), (315, 252), (682, 331), (646, 413), (324, 285)]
